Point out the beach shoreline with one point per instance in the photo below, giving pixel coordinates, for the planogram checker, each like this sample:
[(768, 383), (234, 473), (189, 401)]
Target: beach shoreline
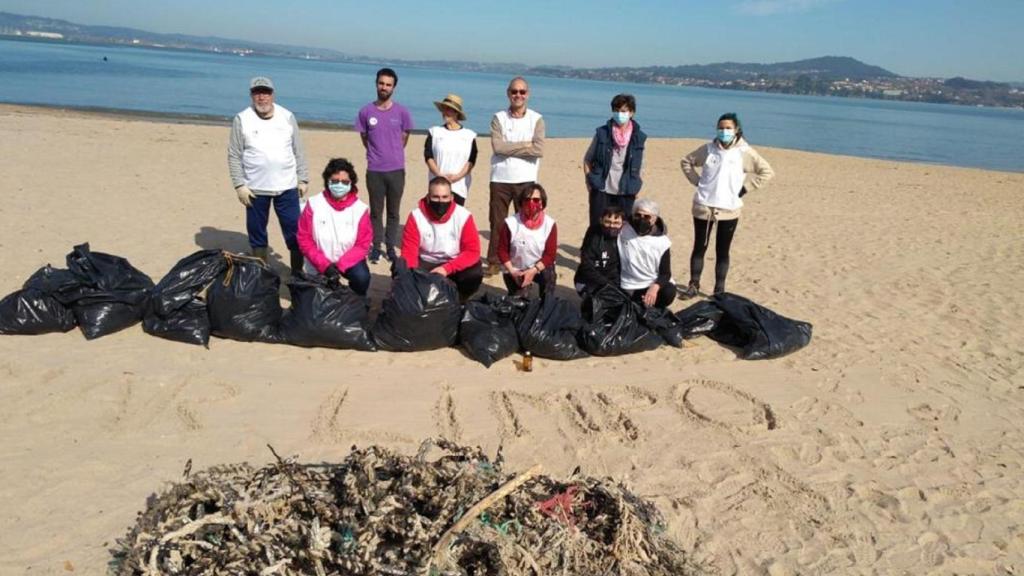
[(162, 117), (896, 443)]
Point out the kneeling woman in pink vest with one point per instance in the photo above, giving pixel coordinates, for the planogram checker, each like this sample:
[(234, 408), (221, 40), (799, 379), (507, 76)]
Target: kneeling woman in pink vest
[(527, 244), (334, 230), (440, 237)]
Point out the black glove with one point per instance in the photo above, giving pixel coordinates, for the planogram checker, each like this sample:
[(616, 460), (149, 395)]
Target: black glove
[(333, 275), (743, 191)]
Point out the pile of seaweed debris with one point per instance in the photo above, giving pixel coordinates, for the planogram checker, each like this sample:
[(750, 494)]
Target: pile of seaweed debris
[(382, 513)]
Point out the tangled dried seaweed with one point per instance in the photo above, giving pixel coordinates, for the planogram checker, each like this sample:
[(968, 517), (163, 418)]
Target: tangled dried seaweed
[(380, 513)]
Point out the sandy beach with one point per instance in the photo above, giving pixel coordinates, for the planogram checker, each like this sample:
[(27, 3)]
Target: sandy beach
[(891, 445)]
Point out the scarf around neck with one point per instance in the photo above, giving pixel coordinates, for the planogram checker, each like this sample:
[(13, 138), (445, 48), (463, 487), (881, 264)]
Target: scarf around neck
[(622, 134), (532, 223)]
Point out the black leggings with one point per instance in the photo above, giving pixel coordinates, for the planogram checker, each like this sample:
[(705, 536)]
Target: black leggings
[(723, 240)]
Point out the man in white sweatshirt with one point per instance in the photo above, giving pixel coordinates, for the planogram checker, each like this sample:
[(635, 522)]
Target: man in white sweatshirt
[(517, 138), (268, 167)]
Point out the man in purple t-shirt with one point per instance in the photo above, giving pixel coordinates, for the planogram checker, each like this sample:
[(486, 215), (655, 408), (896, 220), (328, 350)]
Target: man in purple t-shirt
[(384, 126)]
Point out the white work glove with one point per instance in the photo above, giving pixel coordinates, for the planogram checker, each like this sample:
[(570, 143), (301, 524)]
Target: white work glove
[(245, 196), (303, 186)]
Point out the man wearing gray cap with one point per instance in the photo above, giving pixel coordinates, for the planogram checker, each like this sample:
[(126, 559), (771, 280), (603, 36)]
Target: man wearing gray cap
[(268, 166)]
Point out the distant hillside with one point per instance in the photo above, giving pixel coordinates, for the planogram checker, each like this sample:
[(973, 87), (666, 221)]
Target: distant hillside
[(966, 84), (73, 32), (824, 68)]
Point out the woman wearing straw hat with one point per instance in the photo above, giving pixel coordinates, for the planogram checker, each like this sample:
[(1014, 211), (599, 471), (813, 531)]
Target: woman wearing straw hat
[(450, 149)]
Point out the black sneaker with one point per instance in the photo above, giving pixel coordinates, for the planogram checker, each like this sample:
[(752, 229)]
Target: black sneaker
[(391, 255), (374, 255)]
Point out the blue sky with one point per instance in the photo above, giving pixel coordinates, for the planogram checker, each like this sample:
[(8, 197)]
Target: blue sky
[(978, 39)]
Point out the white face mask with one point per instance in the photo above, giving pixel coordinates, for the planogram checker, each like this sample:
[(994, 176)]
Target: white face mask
[(621, 117)]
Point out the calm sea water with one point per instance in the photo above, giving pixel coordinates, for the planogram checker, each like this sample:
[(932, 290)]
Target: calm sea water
[(202, 83)]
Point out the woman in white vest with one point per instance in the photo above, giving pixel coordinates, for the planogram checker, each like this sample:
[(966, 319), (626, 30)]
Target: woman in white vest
[(730, 169), (450, 149), (528, 243), (440, 237), (644, 259), (335, 233)]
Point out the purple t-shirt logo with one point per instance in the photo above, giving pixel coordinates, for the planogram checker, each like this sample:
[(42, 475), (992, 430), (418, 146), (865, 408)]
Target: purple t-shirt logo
[(385, 131)]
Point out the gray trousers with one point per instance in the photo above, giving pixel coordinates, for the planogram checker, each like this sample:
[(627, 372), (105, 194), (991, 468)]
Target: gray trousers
[(385, 191)]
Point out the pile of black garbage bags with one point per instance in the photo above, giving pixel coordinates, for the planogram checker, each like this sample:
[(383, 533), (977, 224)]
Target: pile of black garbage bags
[(237, 297)]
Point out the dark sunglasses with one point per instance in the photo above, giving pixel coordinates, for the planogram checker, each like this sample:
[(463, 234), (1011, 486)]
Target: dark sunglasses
[(535, 200), (650, 217), (520, 92), (261, 91), (340, 181)]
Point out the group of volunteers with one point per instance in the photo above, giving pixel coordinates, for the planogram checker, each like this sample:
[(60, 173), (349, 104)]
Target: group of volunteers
[(626, 244)]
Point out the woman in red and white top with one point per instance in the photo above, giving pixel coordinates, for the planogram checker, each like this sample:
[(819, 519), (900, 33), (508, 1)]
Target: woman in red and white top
[(527, 244), (440, 237), (334, 230)]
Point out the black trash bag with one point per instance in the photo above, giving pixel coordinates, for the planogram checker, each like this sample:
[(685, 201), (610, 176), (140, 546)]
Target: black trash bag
[(665, 324), (487, 332), (326, 316), (759, 332), (243, 301), (186, 280), (59, 283), (102, 313), (106, 272), (30, 311), (43, 303), (189, 324), (421, 312), (112, 296), (175, 311), (612, 325), (548, 328), (699, 319)]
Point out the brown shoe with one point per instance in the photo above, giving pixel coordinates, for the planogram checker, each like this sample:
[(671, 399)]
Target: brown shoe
[(492, 270)]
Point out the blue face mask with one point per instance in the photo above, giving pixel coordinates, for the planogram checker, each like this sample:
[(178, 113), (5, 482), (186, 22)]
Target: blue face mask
[(726, 135), (621, 118), (339, 189)]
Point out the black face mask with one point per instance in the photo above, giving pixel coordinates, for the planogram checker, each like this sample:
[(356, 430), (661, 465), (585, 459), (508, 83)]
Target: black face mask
[(611, 232), (642, 225), (438, 208)]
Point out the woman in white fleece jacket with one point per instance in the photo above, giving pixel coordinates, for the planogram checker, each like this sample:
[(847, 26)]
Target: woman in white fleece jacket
[(729, 169)]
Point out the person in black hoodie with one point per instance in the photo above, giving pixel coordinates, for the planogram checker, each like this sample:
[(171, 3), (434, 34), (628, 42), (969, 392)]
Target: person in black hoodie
[(613, 161), (645, 262), (599, 254)]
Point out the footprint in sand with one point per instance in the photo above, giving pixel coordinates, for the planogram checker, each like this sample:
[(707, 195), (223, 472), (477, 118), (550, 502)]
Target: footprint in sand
[(445, 418)]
